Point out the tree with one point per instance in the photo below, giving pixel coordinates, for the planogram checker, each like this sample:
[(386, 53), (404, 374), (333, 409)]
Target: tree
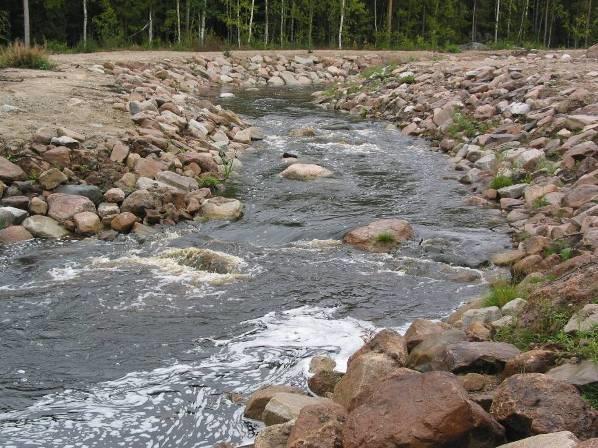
[(26, 23), (496, 22), (178, 20), (389, 21), (251, 22), (340, 28)]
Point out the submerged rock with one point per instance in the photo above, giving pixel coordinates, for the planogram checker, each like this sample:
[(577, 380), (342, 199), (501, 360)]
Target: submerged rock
[(305, 171), (222, 208), (205, 260), (381, 235)]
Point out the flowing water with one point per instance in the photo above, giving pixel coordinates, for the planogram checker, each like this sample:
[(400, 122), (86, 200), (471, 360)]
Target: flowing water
[(127, 343)]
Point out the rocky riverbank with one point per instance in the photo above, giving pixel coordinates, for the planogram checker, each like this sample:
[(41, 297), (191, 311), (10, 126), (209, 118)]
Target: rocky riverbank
[(518, 368), (168, 165)]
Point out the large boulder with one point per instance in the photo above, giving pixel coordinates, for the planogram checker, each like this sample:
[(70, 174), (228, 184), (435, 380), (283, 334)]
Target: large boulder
[(9, 171), (63, 207), (323, 382), (305, 171), (486, 357), (275, 436), (533, 361), (387, 342), (583, 320), (259, 399), (52, 178), (222, 208), (318, 426), (417, 411), (381, 235), (422, 328), (93, 193), (583, 373), (87, 223), (175, 180), (284, 407), (138, 202), (533, 403), (561, 439), (44, 227), (13, 234), (428, 355)]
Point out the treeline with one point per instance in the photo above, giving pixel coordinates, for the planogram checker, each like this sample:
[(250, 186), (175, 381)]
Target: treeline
[(217, 24)]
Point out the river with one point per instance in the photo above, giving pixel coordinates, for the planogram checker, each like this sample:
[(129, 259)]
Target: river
[(109, 344)]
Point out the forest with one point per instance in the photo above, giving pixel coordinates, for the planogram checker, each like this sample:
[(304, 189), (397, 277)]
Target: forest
[(87, 25)]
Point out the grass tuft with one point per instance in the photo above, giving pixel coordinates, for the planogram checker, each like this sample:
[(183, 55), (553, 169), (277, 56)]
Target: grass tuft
[(385, 238), (466, 125), (502, 292), (208, 181), (500, 182), (17, 55)]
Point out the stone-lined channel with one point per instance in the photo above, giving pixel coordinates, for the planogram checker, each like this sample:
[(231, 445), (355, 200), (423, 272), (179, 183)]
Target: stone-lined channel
[(108, 344)]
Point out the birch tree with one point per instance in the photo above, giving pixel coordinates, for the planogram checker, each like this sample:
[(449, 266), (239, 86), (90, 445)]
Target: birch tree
[(178, 20), (26, 25), (251, 22), (588, 21), (340, 28), (497, 21), (84, 23), (389, 21)]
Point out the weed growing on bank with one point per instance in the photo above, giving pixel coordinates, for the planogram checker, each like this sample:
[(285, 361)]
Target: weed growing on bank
[(502, 292), (500, 182), (466, 125), (17, 55)]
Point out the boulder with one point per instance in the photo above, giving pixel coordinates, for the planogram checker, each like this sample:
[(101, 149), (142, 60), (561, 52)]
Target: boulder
[(63, 207), (583, 373), (148, 167), (259, 399), (59, 156), (533, 361), (38, 206), (302, 132), (514, 307), (578, 196), (87, 223), (44, 227), (13, 234), (318, 426), (108, 209), (52, 178), (123, 222), (422, 328), (486, 357), (533, 403), (512, 191), (120, 151), (203, 159), (590, 443), (481, 315), (275, 436), (115, 195), (284, 407), (380, 235), (592, 52), (323, 382), (363, 373), (93, 193), (138, 202), (222, 208), (583, 320), (243, 136), (427, 410), (562, 439), (321, 363), (10, 172), (305, 171), (12, 216), (175, 180), (387, 342), (428, 355)]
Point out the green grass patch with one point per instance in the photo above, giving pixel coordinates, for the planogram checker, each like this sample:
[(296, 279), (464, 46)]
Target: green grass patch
[(590, 394), (385, 238), (17, 55), (466, 125), (378, 71), (208, 181), (540, 203), (502, 292), (409, 79), (560, 248), (500, 182)]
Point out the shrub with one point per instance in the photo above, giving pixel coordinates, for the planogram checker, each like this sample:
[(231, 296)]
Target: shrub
[(408, 79), (500, 182), (208, 181), (17, 55), (503, 292), (540, 203)]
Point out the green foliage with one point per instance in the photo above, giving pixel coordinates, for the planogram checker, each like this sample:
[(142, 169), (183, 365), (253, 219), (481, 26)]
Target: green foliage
[(410, 79), (4, 26), (2, 223), (540, 202), (561, 248), (466, 125), (500, 182), (503, 292), (208, 181), (17, 55), (385, 238), (378, 71), (590, 394), (451, 48)]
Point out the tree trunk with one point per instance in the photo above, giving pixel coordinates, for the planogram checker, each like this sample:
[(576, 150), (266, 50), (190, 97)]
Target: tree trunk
[(376, 16), (497, 21), (84, 23), (523, 17), (473, 20), (178, 20), (509, 20), (187, 18), (238, 23), (26, 27), (150, 28), (250, 22), (389, 21), (546, 23), (266, 27), (588, 23), (311, 22), (340, 28), (203, 22), (281, 23)]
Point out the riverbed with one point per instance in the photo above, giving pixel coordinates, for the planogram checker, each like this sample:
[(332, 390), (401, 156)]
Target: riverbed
[(108, 344)]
